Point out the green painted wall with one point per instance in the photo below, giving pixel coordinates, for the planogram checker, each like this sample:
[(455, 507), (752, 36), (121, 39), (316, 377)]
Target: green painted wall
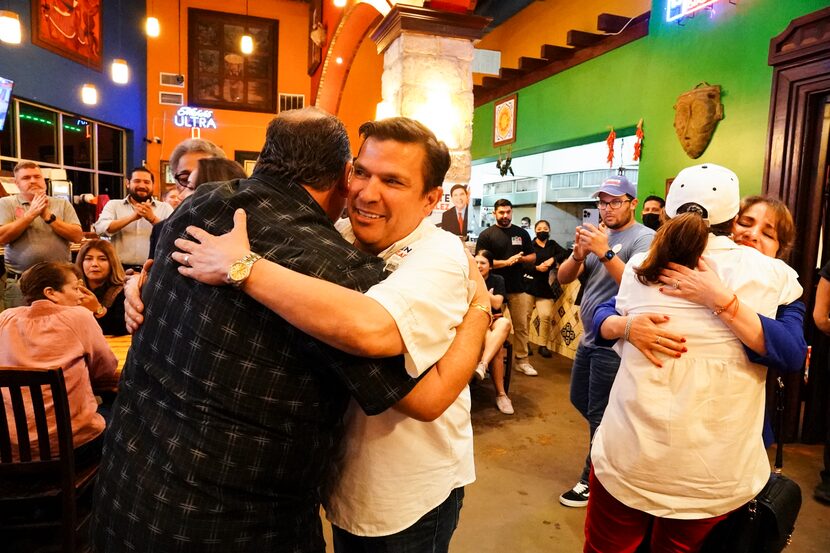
[(644, 78)]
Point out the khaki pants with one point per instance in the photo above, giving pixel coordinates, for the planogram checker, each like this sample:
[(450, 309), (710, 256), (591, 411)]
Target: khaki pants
[(544, 309), (521, 306)]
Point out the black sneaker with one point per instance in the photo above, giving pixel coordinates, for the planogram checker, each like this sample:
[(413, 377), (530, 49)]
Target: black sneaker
[(544, 352), (575, 497)]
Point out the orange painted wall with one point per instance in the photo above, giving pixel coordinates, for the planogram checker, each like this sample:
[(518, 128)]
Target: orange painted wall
[(362, 92), (237, 130), (548, 23)]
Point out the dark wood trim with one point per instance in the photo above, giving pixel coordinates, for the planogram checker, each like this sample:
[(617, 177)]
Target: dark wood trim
[(582, 39), (805, 37), (610, 23), (551, 52), (432, 22), (529, 64), (800, 57), (635, 31)]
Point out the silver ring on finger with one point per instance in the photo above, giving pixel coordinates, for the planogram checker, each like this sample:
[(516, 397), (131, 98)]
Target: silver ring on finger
[(677, 285), (187, 260), (657, 341)]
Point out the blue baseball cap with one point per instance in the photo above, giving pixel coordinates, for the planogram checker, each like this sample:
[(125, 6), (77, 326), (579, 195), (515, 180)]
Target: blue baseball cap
[(617, 185)]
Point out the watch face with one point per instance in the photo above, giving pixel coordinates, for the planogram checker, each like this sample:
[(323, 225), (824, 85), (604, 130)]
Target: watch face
[(239, 271), (610, 254)]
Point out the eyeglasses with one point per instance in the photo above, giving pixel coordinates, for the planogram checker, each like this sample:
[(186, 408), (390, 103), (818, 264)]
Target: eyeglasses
[(181, 179), (615, 204)]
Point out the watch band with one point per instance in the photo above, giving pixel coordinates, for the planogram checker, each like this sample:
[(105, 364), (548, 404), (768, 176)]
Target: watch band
[(51, 219)]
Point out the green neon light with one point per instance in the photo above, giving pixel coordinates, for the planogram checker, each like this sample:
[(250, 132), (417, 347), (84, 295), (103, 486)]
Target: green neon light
[(36, 119)]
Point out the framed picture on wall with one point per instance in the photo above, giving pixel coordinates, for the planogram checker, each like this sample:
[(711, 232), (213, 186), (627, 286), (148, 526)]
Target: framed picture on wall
[(166, 174), (247, 159), (219, 75), (316, 35), (71, 30), (504, 121)]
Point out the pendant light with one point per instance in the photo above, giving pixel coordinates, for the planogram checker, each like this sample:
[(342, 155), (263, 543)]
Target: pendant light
[(119, 70), (151, 24), (339, 3), (246, 43), (9, 27), (89, 94), (152, 27)]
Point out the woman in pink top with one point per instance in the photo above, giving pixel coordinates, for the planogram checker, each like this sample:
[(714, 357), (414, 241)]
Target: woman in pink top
[(53, 330)]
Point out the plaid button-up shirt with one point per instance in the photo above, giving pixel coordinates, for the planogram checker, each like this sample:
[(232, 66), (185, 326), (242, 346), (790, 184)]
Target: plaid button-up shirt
[(227, 416)]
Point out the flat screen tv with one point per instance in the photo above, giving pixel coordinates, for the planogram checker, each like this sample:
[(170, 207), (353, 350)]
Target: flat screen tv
[(5, 98)]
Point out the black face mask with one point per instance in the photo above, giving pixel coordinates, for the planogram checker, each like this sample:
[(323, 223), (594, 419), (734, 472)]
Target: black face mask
[(651, 220), (543, 236)]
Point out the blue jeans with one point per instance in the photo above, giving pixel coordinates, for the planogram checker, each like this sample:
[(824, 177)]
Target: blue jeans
[(592, 375), (431, 534)]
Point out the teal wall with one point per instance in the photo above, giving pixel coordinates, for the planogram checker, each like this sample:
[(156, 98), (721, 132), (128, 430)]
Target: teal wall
[(643, 79)]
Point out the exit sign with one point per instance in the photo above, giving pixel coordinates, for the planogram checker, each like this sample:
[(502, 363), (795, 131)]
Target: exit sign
[(675, 9)]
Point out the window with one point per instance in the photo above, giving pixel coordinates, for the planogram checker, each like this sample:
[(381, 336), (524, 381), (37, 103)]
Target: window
[(39, 130), (110, 149), (77, 142), (92, 153)]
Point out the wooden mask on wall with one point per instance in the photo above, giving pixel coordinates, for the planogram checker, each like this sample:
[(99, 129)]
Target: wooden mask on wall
[(696, 115)]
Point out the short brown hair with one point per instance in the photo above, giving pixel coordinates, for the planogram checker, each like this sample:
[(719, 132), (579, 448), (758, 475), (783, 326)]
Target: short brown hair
[(409, 131), (25, 165), (681, 240), (784, 225), (43, 275)]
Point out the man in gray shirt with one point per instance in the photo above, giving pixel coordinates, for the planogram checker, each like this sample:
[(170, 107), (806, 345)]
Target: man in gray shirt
[(601, 256), (33, 227), (130, 221)]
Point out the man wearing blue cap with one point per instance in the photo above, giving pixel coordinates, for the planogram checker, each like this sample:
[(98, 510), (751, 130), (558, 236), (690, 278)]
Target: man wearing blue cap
[(601, 255)]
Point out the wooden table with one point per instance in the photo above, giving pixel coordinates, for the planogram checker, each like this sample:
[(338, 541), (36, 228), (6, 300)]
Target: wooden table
[(120, 345)]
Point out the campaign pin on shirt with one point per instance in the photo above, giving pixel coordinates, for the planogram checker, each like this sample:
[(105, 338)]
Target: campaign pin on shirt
[(616, 248), (396, 259), (516, 241)]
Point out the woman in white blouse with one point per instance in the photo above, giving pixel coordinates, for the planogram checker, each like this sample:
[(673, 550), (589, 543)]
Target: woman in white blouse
[(680, 445)]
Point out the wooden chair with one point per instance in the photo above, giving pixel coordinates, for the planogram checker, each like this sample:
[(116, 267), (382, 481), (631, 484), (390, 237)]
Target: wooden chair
[(40, 479), (508, 364)]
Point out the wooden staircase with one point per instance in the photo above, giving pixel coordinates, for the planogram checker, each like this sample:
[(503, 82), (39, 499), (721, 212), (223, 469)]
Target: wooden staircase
[(616, 31)]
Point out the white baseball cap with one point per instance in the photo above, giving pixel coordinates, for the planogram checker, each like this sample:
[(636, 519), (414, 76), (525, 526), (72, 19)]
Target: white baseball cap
[(710, 186)]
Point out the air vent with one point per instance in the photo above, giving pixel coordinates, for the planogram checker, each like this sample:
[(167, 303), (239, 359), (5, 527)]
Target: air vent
[(486, 62), (171, 79), (291, 101), (171, 98)]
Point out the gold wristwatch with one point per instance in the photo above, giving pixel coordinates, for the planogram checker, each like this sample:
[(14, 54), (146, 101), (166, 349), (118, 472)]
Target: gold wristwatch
[(241, 270)]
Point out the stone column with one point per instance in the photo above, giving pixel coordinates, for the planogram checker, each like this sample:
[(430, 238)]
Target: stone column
[(427, 75)]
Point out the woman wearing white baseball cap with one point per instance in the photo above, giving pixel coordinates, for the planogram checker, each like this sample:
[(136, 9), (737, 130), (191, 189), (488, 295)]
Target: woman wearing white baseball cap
[(680, 445)]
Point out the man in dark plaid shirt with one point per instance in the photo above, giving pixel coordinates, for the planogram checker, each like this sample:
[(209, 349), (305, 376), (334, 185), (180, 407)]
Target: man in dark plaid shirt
[(227, 416)]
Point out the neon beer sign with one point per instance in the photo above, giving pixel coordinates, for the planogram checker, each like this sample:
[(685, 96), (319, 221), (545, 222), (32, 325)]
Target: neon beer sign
[(194, 118), (675, 9)]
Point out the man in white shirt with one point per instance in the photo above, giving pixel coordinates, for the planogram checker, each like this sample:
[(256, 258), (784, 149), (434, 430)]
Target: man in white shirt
[(130, 221), (411, 501)]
